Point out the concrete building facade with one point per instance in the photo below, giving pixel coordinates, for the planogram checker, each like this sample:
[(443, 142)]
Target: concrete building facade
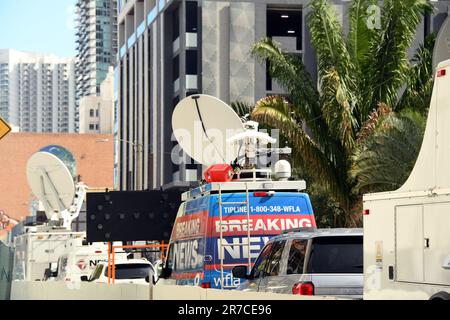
[(97, 112), (37, 91), (170, 49)]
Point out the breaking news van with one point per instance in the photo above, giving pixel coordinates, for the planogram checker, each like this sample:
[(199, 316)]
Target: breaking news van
[(221, 225), (407, 231), (242, 204)]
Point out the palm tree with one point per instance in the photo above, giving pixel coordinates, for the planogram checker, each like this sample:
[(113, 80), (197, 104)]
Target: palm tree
[(360, 79)]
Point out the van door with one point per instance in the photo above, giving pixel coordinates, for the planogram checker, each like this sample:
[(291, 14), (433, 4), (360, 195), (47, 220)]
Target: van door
[(257, 271), (436, 225), (409, 243), (272, 275), (292, 270)]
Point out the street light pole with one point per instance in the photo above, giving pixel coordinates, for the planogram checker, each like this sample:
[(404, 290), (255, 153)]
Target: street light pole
[(138, 151)]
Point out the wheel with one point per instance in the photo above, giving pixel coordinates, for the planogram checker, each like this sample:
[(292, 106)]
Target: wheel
[(441, 296)]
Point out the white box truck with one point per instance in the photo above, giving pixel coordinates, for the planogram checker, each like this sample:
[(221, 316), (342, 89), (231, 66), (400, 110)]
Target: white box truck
[(35, 250), (407, 231)]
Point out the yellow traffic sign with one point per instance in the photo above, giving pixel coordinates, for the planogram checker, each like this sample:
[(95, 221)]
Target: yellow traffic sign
[(4, 128)]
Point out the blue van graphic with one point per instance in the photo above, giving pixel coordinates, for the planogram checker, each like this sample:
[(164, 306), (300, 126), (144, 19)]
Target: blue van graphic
[(195, 247)]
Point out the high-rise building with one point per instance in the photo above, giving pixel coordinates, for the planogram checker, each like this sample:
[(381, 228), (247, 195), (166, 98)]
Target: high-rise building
[(170, 49), (96, 43), (37, 91), (97, 112)]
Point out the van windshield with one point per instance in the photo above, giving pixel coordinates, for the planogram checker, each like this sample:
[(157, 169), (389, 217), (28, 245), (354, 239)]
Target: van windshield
[(342, 254), (131, 271)]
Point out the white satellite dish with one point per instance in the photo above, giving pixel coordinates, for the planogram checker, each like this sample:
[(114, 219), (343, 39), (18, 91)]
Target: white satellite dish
[(442, 46), (53, 184), (202, 124)]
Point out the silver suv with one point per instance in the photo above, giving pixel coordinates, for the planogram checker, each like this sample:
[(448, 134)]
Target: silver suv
[(327, 262)]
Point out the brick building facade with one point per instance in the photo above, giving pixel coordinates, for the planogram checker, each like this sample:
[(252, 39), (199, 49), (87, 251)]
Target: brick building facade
[(94, 155)]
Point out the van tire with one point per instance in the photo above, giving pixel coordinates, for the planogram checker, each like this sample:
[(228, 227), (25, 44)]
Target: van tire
[(441, 296)]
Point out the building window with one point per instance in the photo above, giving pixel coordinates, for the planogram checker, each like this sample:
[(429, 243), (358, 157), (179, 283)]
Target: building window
[(191, 62), (191, 16), (286, 23), (91, 113), (176, 24), (176, 67), (91, 126)]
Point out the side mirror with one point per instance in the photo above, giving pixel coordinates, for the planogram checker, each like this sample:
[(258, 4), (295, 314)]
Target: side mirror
[(151, 277), (240, 272), (84, 278), (165, 273)]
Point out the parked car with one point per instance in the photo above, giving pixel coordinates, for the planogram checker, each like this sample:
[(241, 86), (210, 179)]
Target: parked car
[(326, 262), (126, 271)]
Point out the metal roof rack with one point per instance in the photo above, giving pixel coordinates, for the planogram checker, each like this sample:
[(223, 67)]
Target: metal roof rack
[(236, 186), (305, 229)]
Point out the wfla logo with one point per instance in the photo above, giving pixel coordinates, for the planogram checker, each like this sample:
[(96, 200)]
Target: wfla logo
[(81, 264)]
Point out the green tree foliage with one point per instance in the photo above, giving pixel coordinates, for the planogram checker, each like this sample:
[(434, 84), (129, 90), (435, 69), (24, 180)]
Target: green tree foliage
[(355, 132)]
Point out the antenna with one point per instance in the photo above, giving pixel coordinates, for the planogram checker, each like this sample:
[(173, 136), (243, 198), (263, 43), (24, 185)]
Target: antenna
[(51, 174)]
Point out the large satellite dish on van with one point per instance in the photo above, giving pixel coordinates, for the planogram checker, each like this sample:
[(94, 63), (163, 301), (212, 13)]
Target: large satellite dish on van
[(202, 124), (51, 182), (442, 46), (51, 174)]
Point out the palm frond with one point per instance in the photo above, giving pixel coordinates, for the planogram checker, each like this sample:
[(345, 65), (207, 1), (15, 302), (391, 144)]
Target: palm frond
[(419, 88), (384, 161), (388, 60), (289, 71), (306, 152), (242, 108), (336, 71), (360, 33)]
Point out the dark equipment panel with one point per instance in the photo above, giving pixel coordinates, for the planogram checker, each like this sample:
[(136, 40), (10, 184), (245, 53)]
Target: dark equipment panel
[(131, 215)]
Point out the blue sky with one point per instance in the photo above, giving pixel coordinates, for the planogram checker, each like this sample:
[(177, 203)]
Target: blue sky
[(45, 26)]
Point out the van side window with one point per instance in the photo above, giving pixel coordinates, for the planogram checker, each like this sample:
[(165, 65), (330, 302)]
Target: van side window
[(336, 255), (262, 261), (273, 267), (169, 263), (296, 258)]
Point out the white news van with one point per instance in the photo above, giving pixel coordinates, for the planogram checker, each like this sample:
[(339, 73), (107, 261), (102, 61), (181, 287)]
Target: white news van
[(36, 249), (80, 259), (407, 231)]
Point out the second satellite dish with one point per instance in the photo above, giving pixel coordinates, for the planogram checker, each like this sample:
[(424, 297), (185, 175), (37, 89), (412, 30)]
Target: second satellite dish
[(51, 181), (202, 124)]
